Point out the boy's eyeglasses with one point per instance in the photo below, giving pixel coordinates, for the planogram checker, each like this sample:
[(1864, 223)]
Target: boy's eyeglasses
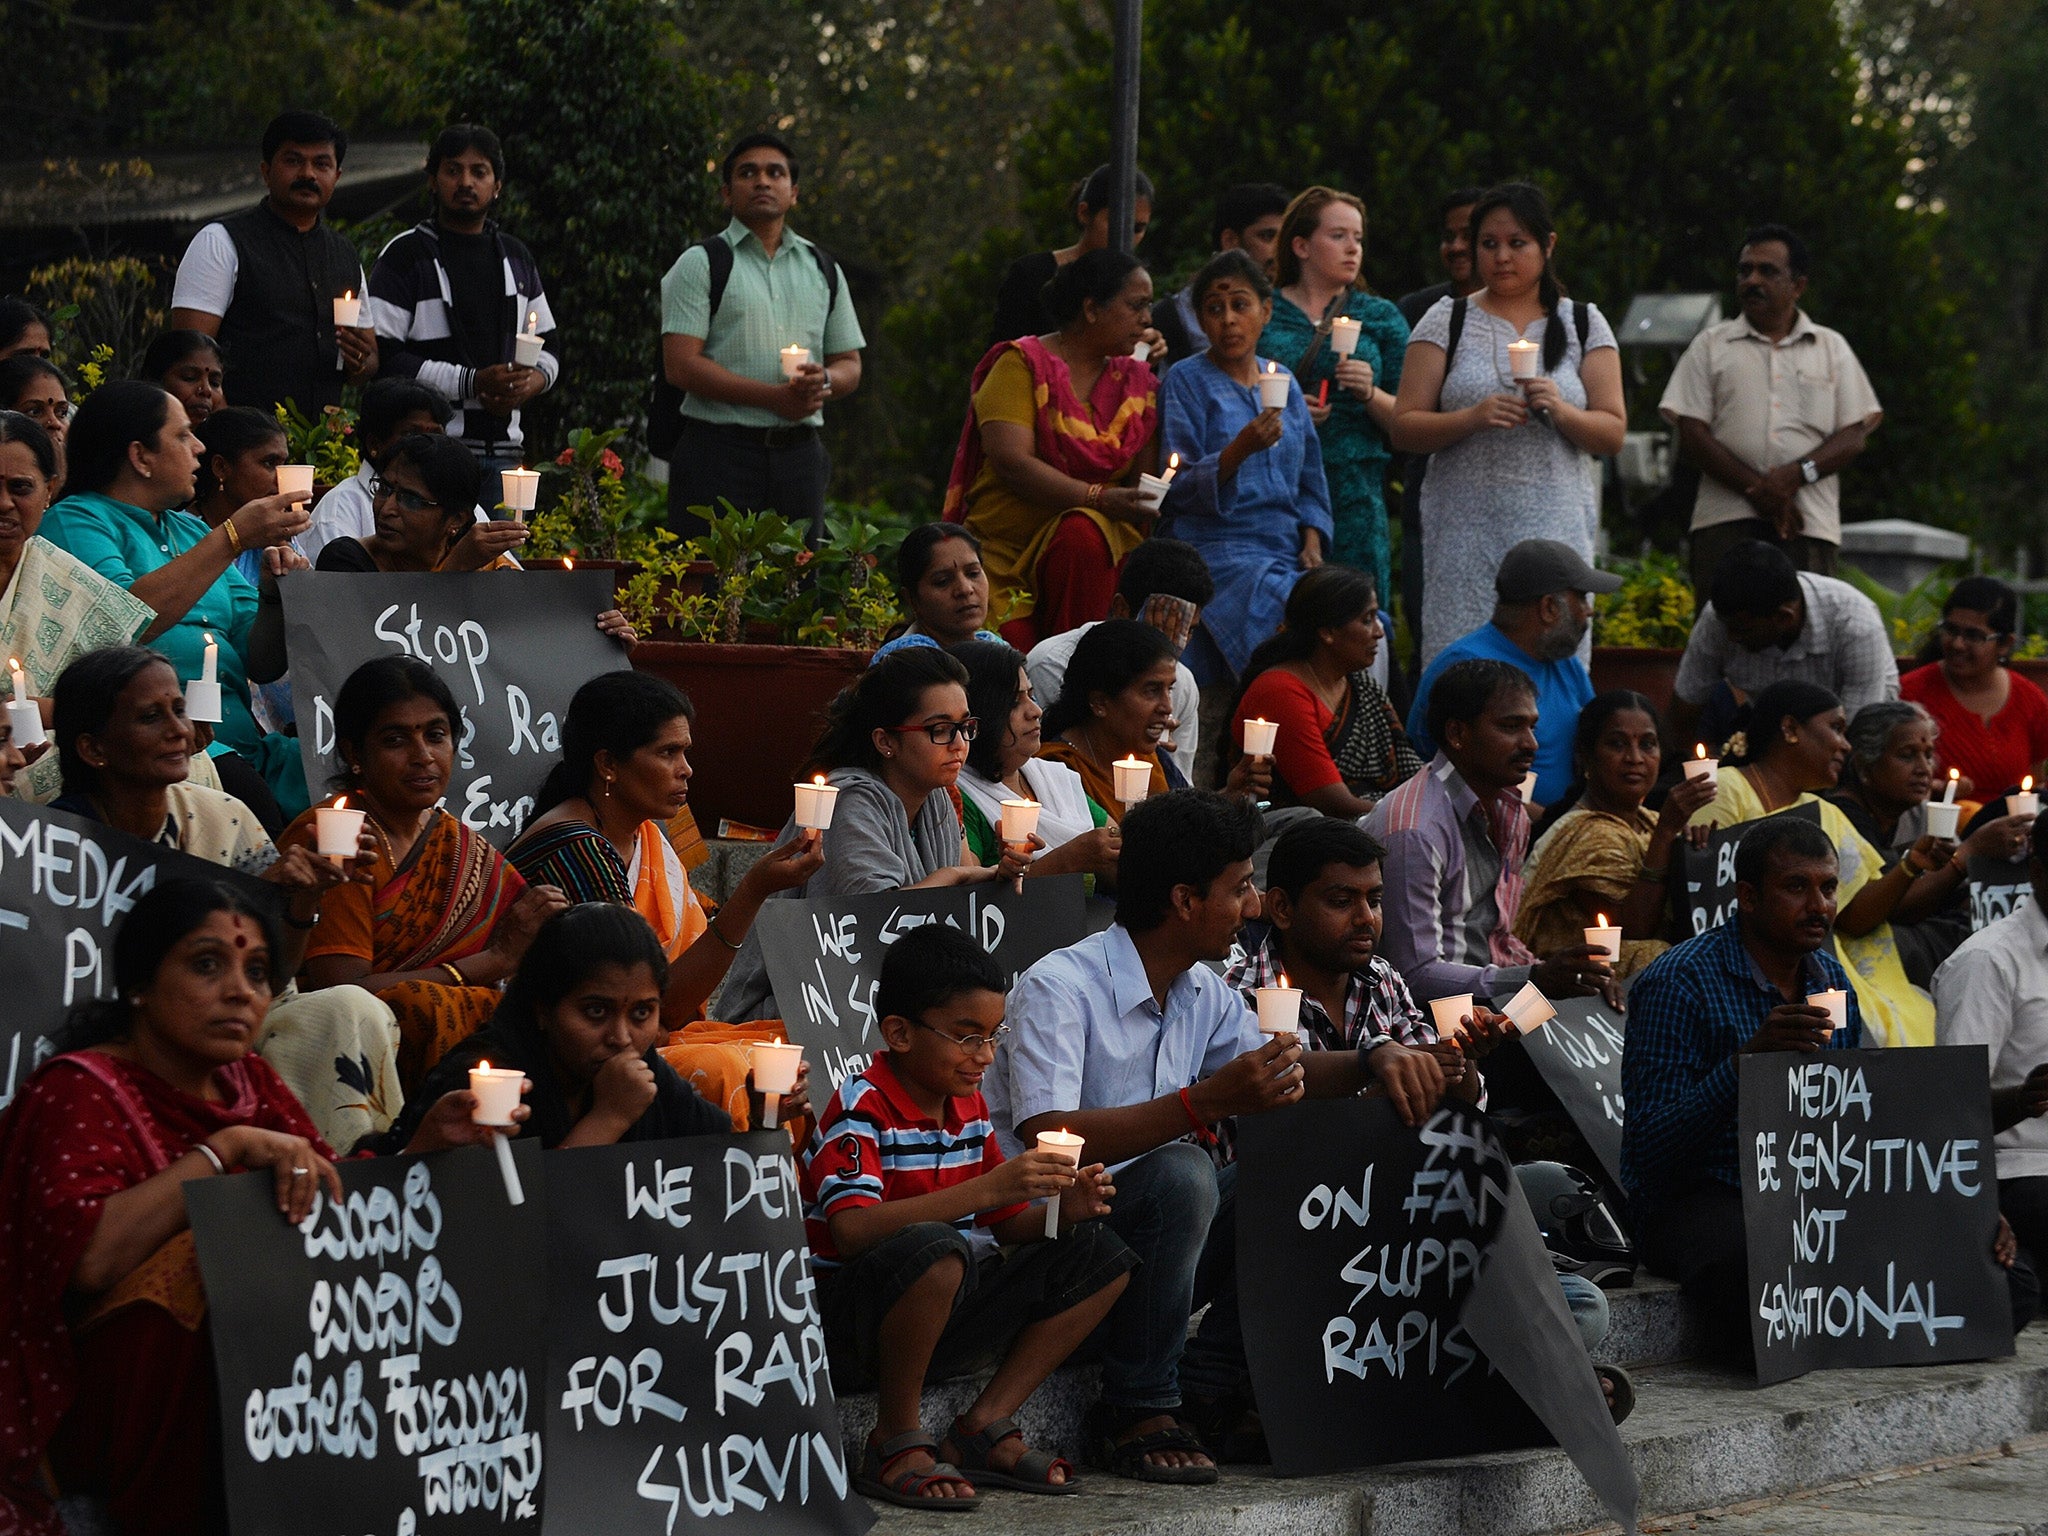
[(942, 732), (973, 1045)]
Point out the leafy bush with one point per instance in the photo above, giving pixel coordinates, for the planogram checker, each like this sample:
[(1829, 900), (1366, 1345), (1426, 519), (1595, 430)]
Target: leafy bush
[(1654, 607), (326, 441), (768, 579)]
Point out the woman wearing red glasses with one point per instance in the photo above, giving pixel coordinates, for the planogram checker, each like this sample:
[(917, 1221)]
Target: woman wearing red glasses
[(893, 746)]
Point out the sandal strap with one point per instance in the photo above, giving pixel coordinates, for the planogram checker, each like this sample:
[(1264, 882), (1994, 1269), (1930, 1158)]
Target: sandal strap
[(980, 1442), (897, 1445)]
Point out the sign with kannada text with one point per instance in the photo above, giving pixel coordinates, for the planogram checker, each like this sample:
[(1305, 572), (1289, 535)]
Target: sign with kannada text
[(1870, 1202), (1709, 872), (381, 1366)]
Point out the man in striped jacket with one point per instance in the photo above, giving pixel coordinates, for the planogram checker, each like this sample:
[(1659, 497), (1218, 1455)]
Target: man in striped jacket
[(456, 302)]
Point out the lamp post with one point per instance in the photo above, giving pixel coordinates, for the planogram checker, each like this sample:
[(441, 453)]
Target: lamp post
[(1123, 125)]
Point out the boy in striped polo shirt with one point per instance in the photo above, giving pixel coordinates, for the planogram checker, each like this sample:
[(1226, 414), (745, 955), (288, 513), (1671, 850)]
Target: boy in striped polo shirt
[(906, 1197)]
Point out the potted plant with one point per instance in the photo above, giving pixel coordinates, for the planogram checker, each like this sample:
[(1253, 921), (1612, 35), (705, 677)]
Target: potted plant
[(1639, 632), (326, 440), (764, 645), (593, 513)]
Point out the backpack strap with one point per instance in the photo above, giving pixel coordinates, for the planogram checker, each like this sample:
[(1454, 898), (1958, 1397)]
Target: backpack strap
[(719, 255), (1457, 330)]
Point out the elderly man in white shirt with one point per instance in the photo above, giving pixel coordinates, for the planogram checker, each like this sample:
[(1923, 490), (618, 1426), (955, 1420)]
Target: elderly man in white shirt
[(1993, 992), (1771, 408)]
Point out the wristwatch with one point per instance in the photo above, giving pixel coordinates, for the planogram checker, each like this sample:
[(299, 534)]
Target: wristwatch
[(1810, 471)]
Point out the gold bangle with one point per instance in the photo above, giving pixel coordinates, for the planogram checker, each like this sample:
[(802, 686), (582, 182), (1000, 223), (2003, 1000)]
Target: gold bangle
[(453, 974), (234, 538)]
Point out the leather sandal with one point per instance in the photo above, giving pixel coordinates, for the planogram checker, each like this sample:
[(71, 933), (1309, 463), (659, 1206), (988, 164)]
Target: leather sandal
[(906, 1488), (1032, 1472), (1126, 1458)]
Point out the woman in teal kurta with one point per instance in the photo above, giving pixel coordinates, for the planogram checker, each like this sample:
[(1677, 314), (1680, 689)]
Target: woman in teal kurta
[(132, 460), (1321, 256)]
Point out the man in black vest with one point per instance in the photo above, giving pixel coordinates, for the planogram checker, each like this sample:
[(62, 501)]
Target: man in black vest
[(264, 282)]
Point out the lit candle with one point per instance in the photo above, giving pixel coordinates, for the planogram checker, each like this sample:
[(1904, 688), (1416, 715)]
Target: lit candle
[(1606, 939), (1522, 359), (1529, 1008), (1344, 335), (1279, 1008), (1259, 736), (527, 345), (814, 802), (1702, 766), (522, 489), (24, 719), (348, 311), (1836, 1002), (2026, 802), (1273, 388), (1066, 1144), (1450, 1014), (794, 360), (497, 1092), (1954, 778), (775, 1066), (1020, 820), (295, 481), (1172, 468), (202, 694), (1133, 779), (337, 830)]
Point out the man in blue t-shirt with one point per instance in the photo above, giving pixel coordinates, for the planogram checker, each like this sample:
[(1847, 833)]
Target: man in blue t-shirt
[(1545, 605)]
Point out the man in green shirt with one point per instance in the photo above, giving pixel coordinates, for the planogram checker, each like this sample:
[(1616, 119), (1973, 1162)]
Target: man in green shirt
[(749, 422)]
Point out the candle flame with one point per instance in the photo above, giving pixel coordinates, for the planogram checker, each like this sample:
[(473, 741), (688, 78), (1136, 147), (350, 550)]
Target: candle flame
[(14, 663), (1603, 920), (341, 804), (1954, 774), (483, 1066), (532, 321), (1272, 367), (1699, 749), (208, 634), (1283, 979), (818, 779), (2027, 784), (347, 297), (568, 564)]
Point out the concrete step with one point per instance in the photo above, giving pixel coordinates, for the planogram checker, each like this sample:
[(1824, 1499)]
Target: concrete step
[(1701, 1439), (2001, 1494), (1648, 1324)]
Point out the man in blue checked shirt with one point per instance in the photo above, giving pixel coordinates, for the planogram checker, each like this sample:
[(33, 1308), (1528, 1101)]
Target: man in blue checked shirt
[(1738, 989)]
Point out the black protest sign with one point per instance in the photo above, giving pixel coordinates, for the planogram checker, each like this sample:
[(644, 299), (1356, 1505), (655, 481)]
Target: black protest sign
[(512, 646), (1710, 872), (1998, 889), (1578, 1056), (824, 957), (65, 885), (1870, 1202), (686, 1361), (1358, 1243), (381, 1365)]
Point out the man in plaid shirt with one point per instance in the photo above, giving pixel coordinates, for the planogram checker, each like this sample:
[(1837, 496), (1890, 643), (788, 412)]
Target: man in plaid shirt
[(1323, 889)]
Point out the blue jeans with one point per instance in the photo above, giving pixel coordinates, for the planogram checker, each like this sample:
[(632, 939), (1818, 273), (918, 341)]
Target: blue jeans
[(1176, 1212), (1589, 1308)]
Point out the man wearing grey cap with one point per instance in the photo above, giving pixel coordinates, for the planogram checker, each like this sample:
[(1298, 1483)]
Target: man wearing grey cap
[(1544, 607)]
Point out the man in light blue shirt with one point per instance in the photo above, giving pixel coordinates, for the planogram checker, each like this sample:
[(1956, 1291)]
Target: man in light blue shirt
[(729, 307), (1544, 608), (1131, 1041)]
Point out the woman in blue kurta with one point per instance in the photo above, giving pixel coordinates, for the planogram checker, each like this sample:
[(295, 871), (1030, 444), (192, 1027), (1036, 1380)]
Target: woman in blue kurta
[(133, 461), (1249, 492), (1321, 257)]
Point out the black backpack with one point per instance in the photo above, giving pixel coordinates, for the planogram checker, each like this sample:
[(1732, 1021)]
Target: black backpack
[(664, 400), (1582, 319)]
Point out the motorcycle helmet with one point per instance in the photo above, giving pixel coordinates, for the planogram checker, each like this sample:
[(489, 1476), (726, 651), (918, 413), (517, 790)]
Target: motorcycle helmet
[(1579, 1230)]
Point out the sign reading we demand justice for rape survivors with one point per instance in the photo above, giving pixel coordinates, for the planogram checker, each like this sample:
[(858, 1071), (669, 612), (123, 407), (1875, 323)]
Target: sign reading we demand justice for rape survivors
[(1870, 1202), (512, 646)]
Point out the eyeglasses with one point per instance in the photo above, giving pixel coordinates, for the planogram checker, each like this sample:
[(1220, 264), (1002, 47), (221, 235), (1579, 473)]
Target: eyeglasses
[(943, 733), (973, 1045), (411, 501), (1970, 636)]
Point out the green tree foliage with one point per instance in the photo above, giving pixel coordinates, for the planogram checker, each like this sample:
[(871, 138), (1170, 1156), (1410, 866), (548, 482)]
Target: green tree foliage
[(1660, 129), (608, 141)]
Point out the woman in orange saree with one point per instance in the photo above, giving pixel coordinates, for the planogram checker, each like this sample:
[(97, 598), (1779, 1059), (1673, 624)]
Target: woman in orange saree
[(1058, 430), (444, 918)]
